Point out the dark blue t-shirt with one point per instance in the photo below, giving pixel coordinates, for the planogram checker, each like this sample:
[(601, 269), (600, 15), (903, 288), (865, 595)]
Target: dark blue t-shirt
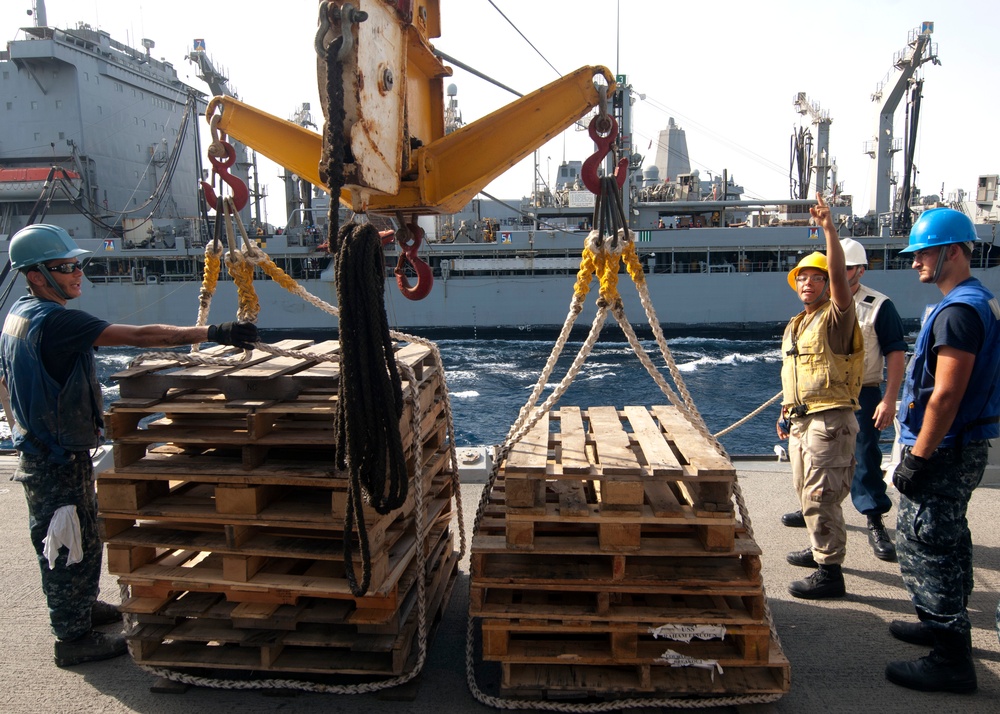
[(66, 334), (956, 326)]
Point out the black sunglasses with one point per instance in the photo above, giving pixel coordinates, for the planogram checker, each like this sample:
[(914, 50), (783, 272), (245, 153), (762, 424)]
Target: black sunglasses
[(65, 268)]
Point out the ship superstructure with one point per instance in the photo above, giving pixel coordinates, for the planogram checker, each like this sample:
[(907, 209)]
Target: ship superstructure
[(118, 125)]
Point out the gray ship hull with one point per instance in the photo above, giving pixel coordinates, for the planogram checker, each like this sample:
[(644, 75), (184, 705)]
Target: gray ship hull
[(731, 299)]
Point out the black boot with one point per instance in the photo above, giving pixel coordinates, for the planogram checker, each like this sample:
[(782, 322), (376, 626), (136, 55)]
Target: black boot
[(795, 519), (879, 539), (948, 668), (802, 558), (915, 633), (104, 613), (826, 582), (92, 647)]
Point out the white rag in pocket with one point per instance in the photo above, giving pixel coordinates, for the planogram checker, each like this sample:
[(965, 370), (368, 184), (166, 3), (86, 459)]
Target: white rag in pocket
[(64, 530)]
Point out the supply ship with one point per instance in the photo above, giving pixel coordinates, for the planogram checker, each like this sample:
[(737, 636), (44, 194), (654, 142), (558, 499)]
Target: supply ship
[(101, 139)]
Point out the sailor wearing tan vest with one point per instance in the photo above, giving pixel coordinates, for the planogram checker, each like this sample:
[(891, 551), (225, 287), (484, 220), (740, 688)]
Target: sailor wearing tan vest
[(823, 360), (885, 348)]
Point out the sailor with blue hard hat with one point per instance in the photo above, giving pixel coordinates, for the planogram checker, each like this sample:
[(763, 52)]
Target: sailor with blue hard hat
[(937, 227), (949, 412), (48, 370)]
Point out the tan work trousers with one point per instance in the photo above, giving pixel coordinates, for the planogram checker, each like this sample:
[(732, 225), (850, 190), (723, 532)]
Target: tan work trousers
[(821, 452)]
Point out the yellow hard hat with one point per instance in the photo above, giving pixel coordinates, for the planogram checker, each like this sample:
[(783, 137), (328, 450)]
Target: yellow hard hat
[(813, 260)]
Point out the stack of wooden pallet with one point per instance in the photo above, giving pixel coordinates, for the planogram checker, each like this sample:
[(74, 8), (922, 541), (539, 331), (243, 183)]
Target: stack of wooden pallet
[(224, 514), (609, 563)]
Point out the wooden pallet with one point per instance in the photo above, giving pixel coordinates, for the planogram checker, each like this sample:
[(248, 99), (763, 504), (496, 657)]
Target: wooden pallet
[(256, 434), (654, 609), (316, 641), (564, 511), (158, 550), (618, 451), (247, 503), (197, 417), (284, 581), (264, 377), (620, 643), (650, 589), (559, 681)]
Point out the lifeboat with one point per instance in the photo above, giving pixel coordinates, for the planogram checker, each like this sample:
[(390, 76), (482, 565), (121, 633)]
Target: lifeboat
[(25, 184)]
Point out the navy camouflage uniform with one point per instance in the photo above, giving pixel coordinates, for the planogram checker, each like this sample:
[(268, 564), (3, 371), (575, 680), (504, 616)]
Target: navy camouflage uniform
[(47, 361), (71, 590), (934, 543)]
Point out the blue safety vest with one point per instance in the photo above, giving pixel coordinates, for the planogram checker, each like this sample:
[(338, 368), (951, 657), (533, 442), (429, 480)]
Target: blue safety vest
[(978, 414), (50, 419)]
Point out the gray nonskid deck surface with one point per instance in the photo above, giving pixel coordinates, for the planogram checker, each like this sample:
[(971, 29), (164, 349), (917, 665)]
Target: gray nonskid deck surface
[(838, 649)]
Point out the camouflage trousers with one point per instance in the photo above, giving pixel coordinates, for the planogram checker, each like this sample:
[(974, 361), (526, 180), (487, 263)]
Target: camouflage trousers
[(69, 589), (821, 453), (933, 540)]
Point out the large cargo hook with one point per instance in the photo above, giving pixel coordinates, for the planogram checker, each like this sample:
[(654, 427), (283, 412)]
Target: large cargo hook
[(222, 156), (604, 146), (409, 237)]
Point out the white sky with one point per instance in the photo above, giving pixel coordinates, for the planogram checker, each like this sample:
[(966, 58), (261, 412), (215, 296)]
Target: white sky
[(726, 71)]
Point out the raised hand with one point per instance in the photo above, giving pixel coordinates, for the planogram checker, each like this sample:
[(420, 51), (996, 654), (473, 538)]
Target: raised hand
[(821, 213)]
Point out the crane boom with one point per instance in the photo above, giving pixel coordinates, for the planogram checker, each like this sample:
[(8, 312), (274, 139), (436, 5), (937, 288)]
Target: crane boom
[(401, 157)]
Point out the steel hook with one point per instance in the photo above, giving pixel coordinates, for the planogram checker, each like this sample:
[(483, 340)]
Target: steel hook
[(604, 146), (409, 243), (220, 167)]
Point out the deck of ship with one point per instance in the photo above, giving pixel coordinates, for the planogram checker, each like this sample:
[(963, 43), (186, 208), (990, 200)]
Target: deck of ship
[(837, 649)]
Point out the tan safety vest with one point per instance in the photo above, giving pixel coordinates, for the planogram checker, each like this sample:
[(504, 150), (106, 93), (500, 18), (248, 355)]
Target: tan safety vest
[(811, 374), (867, 303)]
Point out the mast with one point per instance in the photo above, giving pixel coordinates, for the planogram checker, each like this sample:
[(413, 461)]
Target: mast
[(38, 11)]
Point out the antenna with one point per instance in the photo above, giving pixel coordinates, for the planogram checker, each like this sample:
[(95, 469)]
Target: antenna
[(618, 38)]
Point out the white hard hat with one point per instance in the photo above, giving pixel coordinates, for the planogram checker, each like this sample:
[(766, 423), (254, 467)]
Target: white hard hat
[(854, 252)]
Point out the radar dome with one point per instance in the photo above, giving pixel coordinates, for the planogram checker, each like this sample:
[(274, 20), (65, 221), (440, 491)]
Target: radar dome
[(452, 90)]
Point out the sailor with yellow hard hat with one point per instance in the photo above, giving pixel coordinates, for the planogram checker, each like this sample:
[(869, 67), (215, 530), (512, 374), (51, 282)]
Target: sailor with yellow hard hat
[(822, 363)]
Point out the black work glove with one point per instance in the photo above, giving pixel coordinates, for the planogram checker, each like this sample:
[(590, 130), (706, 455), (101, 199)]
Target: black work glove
[(910, 474), (237, 334)]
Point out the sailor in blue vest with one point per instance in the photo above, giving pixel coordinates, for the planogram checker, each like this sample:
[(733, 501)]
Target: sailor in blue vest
[(48, 370), (950, 409)]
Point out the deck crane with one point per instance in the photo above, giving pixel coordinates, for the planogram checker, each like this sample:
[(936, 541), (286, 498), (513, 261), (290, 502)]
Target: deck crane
[(907, 61), (398, 158)]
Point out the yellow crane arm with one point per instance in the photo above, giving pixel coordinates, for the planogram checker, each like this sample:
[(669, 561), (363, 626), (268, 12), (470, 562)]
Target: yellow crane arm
[(445, 174)]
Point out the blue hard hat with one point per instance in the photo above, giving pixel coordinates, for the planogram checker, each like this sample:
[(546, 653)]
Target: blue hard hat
[(940, 226), (39, 243)]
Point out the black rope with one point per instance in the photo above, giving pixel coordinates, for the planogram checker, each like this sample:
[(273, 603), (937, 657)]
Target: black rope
[(370, 399), (331, 168)]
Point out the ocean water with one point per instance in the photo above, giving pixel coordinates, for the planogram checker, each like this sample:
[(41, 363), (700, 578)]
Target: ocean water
[(491, 379), (491, 376)]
